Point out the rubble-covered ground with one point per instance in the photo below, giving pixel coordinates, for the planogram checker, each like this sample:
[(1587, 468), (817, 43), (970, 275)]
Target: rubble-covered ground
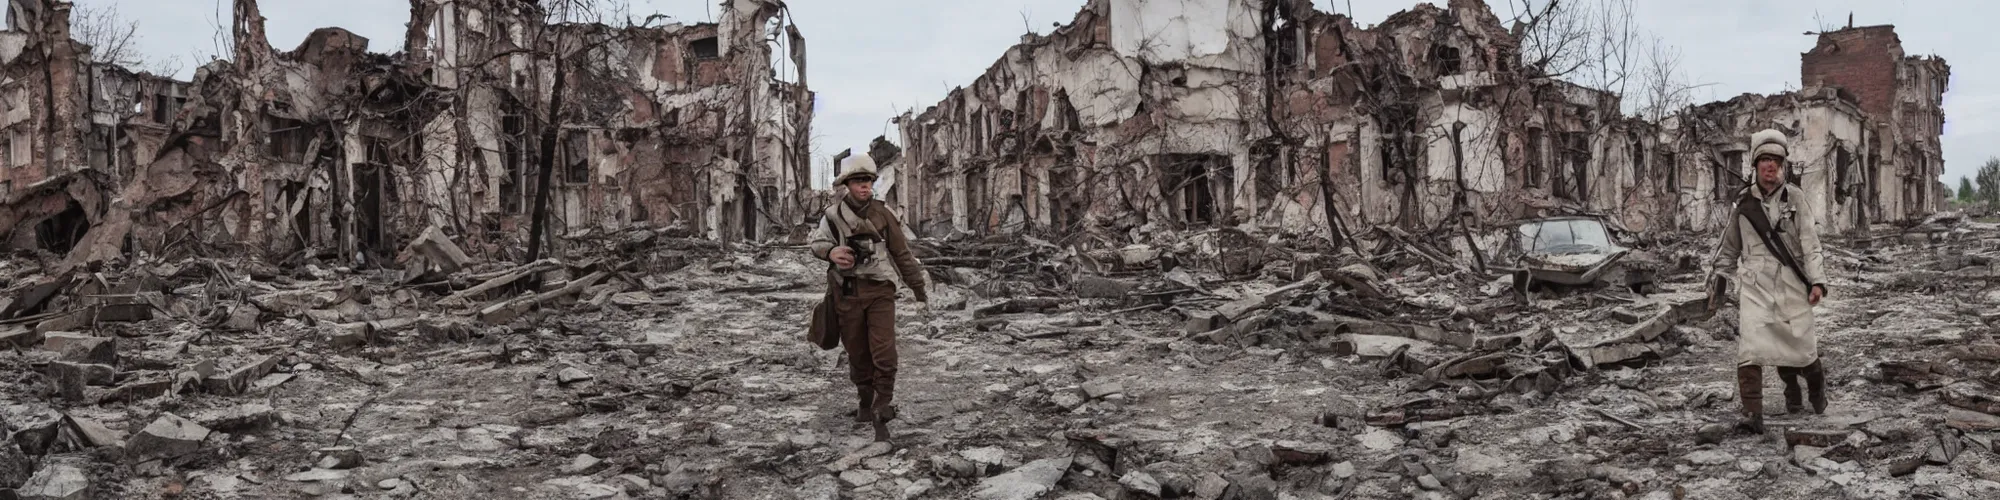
[(1209, 365)]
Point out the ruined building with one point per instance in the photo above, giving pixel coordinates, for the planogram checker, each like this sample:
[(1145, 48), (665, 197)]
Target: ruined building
[(69, 128), (329, 148), (1269, 113)]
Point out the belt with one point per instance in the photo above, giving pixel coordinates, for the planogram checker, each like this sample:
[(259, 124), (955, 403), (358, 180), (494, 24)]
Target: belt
[(851, 283)]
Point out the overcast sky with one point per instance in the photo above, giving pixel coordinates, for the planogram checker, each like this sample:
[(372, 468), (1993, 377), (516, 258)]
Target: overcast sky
[(873, 59)]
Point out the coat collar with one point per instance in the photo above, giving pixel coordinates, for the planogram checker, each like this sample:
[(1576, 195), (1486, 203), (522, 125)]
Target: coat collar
[(1784, 192)]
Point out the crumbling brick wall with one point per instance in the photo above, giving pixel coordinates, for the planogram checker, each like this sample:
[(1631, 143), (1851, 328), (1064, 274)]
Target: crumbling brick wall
[(327, 149), (1310, 98), (1861, 60)]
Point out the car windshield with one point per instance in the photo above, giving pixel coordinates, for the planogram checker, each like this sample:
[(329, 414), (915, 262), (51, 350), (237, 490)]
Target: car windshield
[(1565, 236)]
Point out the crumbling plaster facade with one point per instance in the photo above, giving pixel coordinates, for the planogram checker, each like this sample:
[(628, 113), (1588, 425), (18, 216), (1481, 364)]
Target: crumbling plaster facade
[(331, 149), (70, 128), (1254, 113)]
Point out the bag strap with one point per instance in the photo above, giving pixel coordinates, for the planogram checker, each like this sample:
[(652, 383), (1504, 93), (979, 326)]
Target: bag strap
[(1752, 210), (833, 270)]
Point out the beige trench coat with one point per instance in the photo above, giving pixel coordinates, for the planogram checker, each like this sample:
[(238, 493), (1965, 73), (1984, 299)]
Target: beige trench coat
[(1775, 315)]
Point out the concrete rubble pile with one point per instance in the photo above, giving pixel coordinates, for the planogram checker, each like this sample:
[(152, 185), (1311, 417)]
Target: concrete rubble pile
[(646, 366), (1233, 272)]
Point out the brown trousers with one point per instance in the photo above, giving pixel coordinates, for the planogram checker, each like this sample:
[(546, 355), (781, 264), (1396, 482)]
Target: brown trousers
[(868, 330)]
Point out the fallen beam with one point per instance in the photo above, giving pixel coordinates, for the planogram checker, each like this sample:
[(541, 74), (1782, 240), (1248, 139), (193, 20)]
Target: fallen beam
[(510, 277), (506, 310)]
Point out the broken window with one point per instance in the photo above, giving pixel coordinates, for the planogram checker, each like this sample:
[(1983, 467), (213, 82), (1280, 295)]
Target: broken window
[(1638, 160), (97, 146), (1533, 178), (20, 149), (975, 198), (978, 131), (1283, 33), (1843, 161), (1445, 59), (288, 138), (1269, 184), (1575, 154), (1673, 170), (1187, 181), (1874, 177), (746, 203), (1394, 159), (576, 157), (160, 108), (513, 144), (705, 48), (1729, 175)]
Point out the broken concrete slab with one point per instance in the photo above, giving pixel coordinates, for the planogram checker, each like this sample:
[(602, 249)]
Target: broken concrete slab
[(1141, 482), (1101, 388), (238, 379), (70, 379), (19, 336), (35, 427), (143, 388), (1971, 421), (93, 433), (33, 300), (57, 482), (1971, 396), (92, 374), (169, 436), (1026, 482), (859, 478), (242, 318), (1202, 321), (571, 375), (438, 249), (872, 450), (584, 464), (82, 348), (348, 335)]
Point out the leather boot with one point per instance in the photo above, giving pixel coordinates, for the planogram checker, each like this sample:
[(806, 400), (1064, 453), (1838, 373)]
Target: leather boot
[(885, 400), (867, 412), (1750, 385), (1794, 397), (1815, 375), (885, 409)]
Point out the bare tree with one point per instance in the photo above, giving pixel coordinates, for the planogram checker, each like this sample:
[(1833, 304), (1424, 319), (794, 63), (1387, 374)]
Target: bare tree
[(114, 40), (1664, 88), (1593, 43)]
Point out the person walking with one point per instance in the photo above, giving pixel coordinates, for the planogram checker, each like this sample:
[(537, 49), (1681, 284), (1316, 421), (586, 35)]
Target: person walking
[(865, 243), (1771, 249)]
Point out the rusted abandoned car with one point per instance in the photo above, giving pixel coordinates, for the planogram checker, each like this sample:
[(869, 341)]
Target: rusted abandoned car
[(1572, 251)]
